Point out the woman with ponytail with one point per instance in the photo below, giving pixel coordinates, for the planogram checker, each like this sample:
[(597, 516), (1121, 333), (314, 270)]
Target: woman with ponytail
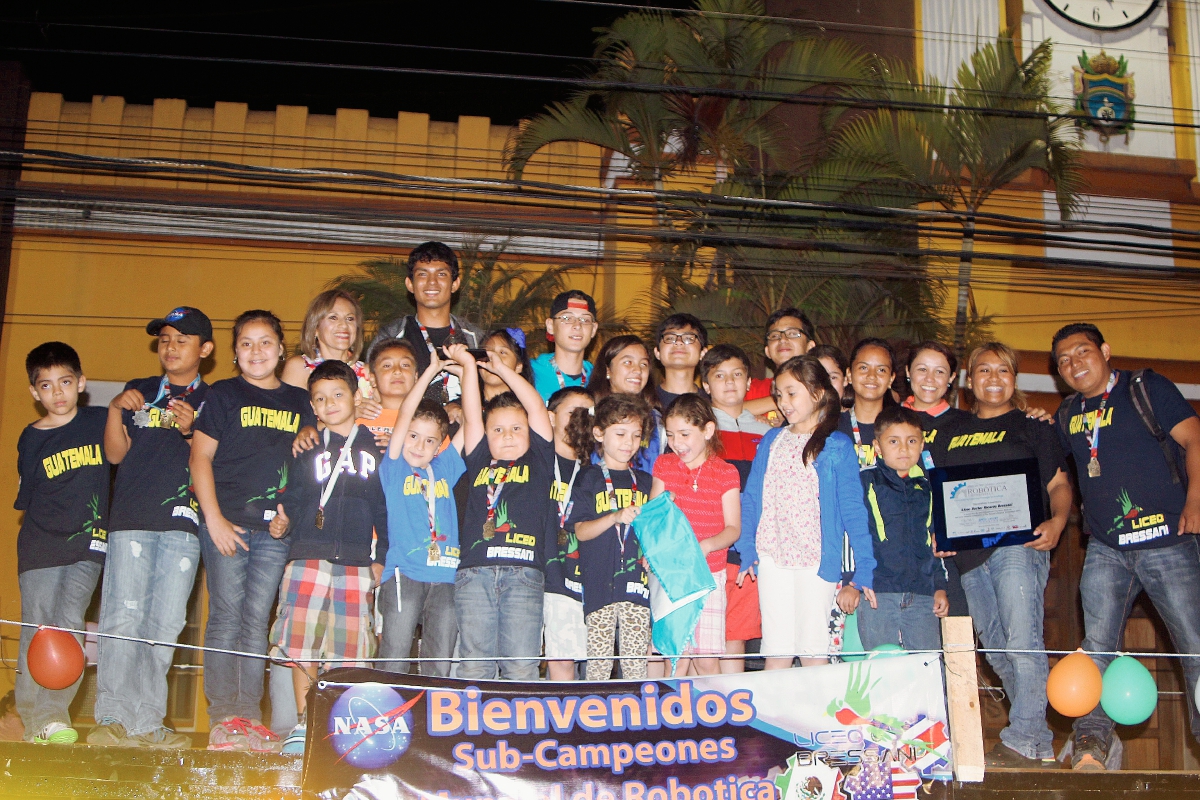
[(803, 497)]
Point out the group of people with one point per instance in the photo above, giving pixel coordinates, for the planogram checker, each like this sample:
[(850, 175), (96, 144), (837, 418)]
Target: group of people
[(441, 480)]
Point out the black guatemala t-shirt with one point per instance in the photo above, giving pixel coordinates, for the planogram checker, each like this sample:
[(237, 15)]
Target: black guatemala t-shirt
[(563, 574), (63, 492), (153, 490), (1132, 504), (1008, 437), (611, 574), (526, 521), (255, 429)]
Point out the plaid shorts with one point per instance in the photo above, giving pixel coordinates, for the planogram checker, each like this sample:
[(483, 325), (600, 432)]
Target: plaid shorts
[(324, 613), (710, 630)]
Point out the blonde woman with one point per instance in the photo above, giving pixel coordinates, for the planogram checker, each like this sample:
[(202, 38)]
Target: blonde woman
[(332, 331)]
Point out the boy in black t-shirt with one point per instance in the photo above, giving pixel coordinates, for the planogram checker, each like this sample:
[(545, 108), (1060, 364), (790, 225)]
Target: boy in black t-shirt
[(60, 549), (153, 551), (509, 529), (1141, 514), (334, 503)]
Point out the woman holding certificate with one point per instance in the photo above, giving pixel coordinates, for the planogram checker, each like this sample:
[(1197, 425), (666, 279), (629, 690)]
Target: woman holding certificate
[(1005, 585)]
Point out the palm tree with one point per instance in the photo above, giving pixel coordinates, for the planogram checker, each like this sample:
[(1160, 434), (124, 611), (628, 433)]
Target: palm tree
[(492, 294), (1000, 122), (690, 88)]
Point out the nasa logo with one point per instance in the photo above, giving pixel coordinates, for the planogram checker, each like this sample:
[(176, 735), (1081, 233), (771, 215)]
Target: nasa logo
[(370, 725)]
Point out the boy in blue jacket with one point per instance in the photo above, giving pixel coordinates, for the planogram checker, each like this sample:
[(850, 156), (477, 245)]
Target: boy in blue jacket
[(910, 582)]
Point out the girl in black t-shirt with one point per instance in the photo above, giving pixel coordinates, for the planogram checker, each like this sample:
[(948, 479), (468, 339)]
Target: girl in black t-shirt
[(241, 453), (608, 498), (1005, 585)]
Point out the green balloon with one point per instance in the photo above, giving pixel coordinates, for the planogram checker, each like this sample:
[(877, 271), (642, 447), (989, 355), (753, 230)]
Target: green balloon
[(850, 641), (1129, 693), (888, 650)]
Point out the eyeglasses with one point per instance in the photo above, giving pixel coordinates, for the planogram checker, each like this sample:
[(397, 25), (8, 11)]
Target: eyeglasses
[(786, 333), (679, 338), (570, 320)]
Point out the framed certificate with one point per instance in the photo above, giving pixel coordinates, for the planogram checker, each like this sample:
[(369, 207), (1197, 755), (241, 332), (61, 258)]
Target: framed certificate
[(986, 505)]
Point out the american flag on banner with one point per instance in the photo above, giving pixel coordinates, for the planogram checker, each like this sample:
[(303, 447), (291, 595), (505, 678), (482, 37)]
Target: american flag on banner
[(904, 783)]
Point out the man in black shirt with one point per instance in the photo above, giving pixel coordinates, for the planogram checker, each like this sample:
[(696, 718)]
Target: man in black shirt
[(681, 342), (433, 278), (1139, 508)]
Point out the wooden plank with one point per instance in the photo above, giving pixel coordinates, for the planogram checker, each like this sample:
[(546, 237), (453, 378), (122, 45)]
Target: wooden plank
[(962, 698)]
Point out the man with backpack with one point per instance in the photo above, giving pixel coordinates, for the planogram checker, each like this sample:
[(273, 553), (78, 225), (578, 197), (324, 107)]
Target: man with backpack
[(1136, 445)]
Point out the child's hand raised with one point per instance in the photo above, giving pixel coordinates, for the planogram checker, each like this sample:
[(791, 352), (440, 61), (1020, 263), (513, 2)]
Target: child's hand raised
[(128, 400), (279, 523)]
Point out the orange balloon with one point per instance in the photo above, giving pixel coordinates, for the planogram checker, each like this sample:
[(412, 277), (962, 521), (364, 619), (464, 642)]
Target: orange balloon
[(55, 659), (1074, 686)]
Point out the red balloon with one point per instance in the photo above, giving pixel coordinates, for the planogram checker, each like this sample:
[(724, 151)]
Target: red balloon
[(55, 659)]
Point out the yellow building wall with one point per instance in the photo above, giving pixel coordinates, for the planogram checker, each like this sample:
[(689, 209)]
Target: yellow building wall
[(97, 291)]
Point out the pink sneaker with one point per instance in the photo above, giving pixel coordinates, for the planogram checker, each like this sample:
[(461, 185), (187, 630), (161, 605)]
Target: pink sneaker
[(230, 734)]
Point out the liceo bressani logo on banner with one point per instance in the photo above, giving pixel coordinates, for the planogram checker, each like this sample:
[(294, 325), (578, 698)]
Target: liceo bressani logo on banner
[(370, 725)]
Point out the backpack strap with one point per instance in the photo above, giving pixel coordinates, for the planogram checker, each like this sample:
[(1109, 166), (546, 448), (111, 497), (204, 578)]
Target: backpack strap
[(1141, 402)]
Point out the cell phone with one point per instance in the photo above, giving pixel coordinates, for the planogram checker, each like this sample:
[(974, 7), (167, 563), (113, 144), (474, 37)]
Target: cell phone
[(478, 353)]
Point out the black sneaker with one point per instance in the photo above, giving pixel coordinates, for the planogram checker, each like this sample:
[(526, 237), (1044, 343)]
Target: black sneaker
[(1004, 757), (1089, 753)]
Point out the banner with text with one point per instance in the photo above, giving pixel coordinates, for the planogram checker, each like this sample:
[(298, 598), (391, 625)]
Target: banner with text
[(870, 730)]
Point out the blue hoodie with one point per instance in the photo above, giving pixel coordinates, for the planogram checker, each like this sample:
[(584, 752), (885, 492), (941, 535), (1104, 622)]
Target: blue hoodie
[(842, 509)]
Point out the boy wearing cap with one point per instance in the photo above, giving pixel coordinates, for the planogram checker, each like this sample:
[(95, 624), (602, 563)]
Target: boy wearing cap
[(572, 326), (153, 549)]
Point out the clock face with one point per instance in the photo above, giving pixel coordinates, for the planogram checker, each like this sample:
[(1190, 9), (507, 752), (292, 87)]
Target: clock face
[(1105, 15)]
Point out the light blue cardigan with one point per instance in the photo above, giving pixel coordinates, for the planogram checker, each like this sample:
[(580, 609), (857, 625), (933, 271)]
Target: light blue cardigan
[(842, 508)]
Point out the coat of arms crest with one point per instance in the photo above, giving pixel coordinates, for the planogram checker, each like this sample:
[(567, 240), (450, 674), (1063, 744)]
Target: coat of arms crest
[(1104, 95)]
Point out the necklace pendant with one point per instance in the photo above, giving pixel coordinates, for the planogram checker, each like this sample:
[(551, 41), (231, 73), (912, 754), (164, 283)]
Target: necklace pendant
[(695, 484), (1093, 468), (435, 554), (320, 521), (141, 418), (489, 529)]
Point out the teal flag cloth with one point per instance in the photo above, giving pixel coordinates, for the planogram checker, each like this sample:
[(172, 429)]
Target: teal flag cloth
[(679, 575)]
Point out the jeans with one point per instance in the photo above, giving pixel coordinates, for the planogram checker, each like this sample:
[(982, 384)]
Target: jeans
[(1007, 595), (429, 604), (57, 596), (902, 618), (499, 616), (1110, 582), (148, 578), (242, 590)]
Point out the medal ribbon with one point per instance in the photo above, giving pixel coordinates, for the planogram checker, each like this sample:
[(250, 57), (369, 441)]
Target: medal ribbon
[(429, 344), (346, 456), (622, 535), (1094, 438), (164, 390), (558, 373), (564, 505), (430, 492), (863, 462), (494, 489)]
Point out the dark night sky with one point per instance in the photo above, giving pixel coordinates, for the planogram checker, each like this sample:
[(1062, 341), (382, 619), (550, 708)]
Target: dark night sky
[(522, 26)]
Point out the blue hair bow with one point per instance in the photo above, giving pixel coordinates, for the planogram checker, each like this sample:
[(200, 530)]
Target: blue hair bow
[(518, 336)]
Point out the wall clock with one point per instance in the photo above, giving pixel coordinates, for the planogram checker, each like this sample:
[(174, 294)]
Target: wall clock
[(1104, 15)]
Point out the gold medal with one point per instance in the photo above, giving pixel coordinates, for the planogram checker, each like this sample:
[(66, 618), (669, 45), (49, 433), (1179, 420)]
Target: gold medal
[(435, 553), (489, 529), (320, 518), (1094, 468), (563, 537), (166, 419)]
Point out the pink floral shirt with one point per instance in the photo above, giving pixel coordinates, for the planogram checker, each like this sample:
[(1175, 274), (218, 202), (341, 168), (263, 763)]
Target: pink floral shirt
[(789, 530)]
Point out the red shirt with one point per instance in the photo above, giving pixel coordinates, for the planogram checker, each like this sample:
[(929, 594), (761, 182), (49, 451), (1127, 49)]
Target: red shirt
[(759, 388), (701, 506)]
